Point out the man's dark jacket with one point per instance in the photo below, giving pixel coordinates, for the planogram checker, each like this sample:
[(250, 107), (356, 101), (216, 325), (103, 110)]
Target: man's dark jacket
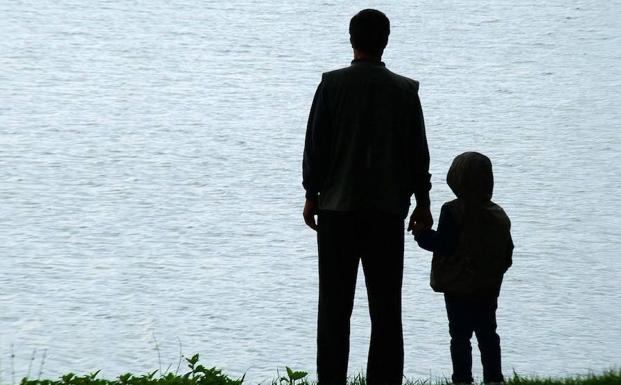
[(365, 146)]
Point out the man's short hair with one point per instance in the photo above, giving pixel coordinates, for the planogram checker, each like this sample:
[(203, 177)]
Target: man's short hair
[(369, 30)]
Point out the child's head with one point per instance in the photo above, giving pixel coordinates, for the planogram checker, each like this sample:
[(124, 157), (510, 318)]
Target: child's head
[(471, 178)]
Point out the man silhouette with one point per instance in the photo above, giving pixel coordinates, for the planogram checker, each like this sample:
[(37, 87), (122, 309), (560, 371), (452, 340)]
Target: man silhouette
[(365, 155)]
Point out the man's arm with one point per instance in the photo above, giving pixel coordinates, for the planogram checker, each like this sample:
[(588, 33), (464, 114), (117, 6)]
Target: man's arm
[(421, 178), (315, 153)]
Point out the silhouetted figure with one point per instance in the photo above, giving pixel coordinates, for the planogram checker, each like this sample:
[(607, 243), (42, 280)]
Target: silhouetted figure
[(365, 155), (472, 249)]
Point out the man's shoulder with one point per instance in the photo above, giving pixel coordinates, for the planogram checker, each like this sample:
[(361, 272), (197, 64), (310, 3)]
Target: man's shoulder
[(336, 74), (386, 75), (405, 81)]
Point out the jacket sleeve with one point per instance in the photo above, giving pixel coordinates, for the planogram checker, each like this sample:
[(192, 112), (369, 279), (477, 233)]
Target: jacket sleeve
[(444, 240), (316, 144), (509, 260), (421, 178)]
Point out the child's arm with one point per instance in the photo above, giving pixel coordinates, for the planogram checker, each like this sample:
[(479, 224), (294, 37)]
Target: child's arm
[(444, 240), (509, 260)]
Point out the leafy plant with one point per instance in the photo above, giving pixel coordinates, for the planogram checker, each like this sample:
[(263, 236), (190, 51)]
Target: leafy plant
[(293, 377), (201, 375)]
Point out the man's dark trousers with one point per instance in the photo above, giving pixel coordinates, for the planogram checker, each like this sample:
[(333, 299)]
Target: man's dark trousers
[(479, 316), (344, 239)]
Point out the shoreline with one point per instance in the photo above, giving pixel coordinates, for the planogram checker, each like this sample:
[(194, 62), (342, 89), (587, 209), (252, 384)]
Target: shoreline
[(197, 374)]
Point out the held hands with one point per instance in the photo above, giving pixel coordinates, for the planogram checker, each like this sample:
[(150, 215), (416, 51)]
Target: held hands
[(418, 227), (420, 220), (310, 210)]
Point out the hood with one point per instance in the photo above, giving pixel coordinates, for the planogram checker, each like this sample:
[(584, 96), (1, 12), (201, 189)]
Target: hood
[(471, 178)]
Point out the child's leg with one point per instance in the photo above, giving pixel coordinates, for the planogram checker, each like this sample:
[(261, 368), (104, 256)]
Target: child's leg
[(460, 329), (489, 341)]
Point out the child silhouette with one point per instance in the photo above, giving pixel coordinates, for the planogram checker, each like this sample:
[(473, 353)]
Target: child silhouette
[(472, 249)]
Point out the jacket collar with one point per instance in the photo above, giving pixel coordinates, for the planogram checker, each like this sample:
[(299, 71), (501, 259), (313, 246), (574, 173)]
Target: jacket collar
[(367, 62)]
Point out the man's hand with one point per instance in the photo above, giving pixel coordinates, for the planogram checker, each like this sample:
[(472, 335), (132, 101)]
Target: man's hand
[(310, 210), (418, 227), (421, 219)]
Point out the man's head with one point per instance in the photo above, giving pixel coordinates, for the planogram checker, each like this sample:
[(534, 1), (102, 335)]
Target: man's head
[(368, 32)]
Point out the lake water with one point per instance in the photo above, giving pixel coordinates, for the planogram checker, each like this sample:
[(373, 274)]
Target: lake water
[(150, 179)]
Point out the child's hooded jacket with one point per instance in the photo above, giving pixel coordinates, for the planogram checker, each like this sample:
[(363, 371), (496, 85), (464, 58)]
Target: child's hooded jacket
[(473, 246)]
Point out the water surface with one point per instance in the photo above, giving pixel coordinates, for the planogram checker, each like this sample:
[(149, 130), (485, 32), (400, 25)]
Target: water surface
[(150, 168)]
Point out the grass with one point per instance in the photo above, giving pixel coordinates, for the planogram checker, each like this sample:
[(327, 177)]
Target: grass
[(200, 375)]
